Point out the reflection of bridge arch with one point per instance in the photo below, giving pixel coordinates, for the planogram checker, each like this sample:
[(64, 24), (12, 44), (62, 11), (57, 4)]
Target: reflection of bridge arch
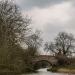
[(50, 59)]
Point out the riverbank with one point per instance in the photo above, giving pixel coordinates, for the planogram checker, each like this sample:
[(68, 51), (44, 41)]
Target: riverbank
[(15, 73), (63, 69), (6, 72)]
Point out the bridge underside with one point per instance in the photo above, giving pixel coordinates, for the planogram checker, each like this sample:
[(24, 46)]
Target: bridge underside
[(42, 64)]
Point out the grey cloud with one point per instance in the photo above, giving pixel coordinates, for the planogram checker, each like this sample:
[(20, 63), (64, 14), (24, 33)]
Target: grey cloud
[(27, 4), (50, 31)]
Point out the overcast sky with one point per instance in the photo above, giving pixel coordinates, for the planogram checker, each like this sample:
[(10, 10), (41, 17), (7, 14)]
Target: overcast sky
[(50, 16)]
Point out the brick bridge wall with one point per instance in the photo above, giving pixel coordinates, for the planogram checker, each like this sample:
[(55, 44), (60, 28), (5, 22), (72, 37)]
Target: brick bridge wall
[(50, 59)]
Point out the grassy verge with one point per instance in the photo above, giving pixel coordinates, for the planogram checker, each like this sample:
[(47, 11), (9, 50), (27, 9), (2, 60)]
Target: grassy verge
[(63, 69)]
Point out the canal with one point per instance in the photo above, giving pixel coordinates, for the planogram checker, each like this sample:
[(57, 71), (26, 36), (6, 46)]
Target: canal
[(45, 72)]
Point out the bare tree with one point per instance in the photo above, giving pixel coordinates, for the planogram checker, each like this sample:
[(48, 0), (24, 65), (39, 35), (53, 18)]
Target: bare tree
[(13, 26), (34, 42), (13, 30), (63, 44)]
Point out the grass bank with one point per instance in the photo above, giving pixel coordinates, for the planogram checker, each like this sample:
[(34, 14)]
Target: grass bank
[(63, 69)]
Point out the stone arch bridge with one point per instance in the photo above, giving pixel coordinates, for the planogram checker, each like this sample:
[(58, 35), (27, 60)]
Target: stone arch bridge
[(50, 59)]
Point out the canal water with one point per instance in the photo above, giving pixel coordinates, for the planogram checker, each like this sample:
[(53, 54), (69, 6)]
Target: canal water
[(45, 72)]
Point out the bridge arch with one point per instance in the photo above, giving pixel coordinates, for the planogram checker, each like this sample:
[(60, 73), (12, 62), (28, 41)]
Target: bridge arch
[(44, 59), (42, 64)]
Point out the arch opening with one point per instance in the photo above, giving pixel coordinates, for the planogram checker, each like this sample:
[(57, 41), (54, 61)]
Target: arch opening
[(42, 64)]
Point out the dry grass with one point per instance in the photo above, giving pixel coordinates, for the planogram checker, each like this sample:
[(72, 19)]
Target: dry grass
[(64, 70)]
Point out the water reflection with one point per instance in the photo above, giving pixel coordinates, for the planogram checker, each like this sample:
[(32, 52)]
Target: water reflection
[(44, 72)]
